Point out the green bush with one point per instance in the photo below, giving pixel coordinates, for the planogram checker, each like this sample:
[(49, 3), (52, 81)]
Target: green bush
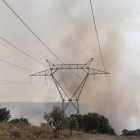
[(93, 131), (30, 135), (4, 114), (16, 134), (93, 121)]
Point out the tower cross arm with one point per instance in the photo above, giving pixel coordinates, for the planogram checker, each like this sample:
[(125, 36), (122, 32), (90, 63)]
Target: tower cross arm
[(48, 72), (70, 66), (94, 71)]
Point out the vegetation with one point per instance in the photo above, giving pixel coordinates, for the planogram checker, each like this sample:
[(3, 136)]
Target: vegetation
[(21, 120), (9, 131), (71, 123), (126, 132), (4, 114), (93, 122), (80, 127), (55, 119)]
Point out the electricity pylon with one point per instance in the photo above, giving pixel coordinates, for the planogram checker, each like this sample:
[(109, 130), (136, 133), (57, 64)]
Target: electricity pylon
[(66, 99)]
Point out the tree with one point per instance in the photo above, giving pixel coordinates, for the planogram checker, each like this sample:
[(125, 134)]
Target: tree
[(21, 120), (90, 122), (4, 114), (126, 132), (71, 123), (94, 122), (79, 119), (55, 119)]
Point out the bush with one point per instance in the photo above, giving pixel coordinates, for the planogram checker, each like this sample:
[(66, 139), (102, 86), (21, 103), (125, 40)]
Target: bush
[(93, 121), (65, 133), (93, 132), (4, 114), (30, 135), (71, 123), (20, 121), (16, 133), (79, 119), (126, 132)]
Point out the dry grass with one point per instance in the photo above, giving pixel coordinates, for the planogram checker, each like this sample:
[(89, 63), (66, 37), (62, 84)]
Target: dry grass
[(84, 136), (22, 132)]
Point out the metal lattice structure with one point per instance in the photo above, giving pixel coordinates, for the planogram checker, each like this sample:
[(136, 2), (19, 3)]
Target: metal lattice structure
[(66, 99)]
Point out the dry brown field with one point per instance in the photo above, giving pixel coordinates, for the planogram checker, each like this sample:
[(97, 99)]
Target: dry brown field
[(22, 132)]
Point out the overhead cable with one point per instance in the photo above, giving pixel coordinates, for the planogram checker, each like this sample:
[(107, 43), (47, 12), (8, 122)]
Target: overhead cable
[(39, 95), (100, 51), (16, 66), (26, 53), (35, 35), (6, 80), (110, 98), (51, 93), (22, 51), (33, 32), (97, 96), (97, 34), (13, 83), (75, 27)]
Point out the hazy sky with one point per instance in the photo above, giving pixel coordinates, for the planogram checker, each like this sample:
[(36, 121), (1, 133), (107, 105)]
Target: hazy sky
[(71, 36)]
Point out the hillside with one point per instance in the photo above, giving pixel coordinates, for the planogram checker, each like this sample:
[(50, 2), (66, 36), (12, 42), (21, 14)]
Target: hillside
[(35, 111)]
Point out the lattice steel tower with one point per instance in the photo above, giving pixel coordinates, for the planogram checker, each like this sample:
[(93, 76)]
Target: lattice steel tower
[(66, 99)]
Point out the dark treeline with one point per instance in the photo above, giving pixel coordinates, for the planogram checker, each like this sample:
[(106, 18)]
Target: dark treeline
[(126, 132)]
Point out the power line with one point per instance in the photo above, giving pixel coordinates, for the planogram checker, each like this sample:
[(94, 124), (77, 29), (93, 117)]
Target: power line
[(35, 34), (6, 80), (101, 52), (97, 96), (51, 93), (16, 66), (97, 35), (75, 27), (25, 53), (11, 83), (110, 97), (22, 51), (15, 82), (39, 95)]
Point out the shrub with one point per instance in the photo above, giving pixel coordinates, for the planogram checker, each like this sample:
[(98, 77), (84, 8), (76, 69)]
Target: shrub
[(16, 133), (93, 131), (20, 121), (30, 135), (93, 121), (71, 123), (4, 114)]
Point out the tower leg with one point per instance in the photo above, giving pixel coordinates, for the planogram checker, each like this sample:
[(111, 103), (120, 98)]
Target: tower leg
[(77, 107)]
